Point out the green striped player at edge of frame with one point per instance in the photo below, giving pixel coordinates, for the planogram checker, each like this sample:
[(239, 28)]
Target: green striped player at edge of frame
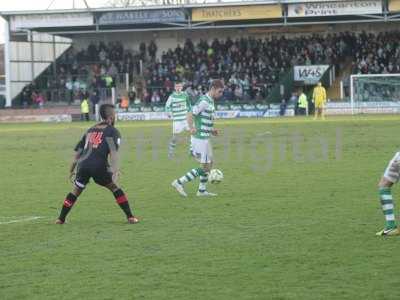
[(389, 177), (179, 107), (201, 125)]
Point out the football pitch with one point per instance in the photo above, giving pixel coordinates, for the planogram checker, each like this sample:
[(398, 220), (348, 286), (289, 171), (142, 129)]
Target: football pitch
[(295, 217)]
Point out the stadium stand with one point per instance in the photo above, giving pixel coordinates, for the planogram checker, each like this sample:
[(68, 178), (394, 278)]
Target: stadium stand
[(249, 66), (78, 71), (376, 53)]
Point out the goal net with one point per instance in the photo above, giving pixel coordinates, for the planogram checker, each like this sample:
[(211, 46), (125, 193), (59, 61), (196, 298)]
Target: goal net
[(375, 93)]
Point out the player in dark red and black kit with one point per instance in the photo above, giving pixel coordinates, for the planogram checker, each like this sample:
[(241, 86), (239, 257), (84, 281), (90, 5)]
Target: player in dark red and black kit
[(91, 161)]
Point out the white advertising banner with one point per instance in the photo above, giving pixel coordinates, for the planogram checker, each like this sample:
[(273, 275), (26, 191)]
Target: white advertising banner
[(51, 20), (358, 7), (36, 118), (344, 108), (219, 114), (142, 116), (309, 74)]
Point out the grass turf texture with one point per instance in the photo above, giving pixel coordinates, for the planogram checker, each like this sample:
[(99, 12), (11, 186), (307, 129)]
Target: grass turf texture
[(290, 222)]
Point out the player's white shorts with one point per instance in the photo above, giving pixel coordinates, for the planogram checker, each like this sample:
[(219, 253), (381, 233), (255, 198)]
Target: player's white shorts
[(179, 126), (202, 150), (392, 172)]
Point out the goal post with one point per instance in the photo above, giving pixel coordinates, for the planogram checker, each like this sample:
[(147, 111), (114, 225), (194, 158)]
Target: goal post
[(377, 89)]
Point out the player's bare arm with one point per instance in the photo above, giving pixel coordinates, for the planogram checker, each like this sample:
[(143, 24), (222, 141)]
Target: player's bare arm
[(113, 158), (215, 132), (189, 118)]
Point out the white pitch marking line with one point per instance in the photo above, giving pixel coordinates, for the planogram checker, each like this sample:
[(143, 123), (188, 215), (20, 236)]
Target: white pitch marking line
[(264, 133), (21, 220)]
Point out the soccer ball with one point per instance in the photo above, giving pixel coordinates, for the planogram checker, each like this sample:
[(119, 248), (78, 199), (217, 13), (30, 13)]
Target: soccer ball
[(215, 176)]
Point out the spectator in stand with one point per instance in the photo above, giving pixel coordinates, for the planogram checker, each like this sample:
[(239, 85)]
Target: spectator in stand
[(38, 99), (146, 97), (132, 96), (26, 96), (259, 96), (293, 99), (180, 70), (94, 99), (152, 50), (102, 56), (282, 107), (155, 98), (142, 49), (228, 94), (192, 93), (168, 85), (238, 93), (113, 72), (69, 86)]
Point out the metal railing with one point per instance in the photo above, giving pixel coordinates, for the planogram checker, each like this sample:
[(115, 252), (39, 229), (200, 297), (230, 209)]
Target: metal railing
[(82, 82), (136, 3), (245, 98), (58, 96)]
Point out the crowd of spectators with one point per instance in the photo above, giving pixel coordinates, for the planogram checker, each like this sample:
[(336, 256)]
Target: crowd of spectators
[(97, 67), (376, 53), (249, 66)]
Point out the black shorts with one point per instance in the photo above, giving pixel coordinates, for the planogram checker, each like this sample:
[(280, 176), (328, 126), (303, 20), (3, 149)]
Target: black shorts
[(99, 172)]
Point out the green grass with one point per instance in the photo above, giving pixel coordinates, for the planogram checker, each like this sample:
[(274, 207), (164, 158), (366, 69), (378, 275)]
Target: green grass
[(287, 224)]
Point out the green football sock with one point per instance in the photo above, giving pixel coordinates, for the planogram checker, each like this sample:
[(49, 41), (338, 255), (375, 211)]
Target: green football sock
[(171, 146), (203, 183), (191, 175), (386, 198)]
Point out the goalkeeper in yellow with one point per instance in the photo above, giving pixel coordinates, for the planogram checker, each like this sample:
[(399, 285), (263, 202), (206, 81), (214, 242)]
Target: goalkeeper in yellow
[(319, 100)]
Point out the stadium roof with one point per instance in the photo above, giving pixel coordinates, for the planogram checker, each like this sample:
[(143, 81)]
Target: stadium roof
[(144, 7), (143, 23), (151, 5)]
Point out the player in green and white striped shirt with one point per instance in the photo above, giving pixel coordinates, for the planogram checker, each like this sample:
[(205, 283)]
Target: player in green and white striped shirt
[(389, 178), (179, 106), (201, 124)]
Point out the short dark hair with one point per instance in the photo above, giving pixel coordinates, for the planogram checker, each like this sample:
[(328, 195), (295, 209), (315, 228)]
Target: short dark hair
[(217, 84), (106, 111)]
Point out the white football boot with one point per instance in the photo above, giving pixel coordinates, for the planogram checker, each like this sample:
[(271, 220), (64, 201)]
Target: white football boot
[(179, 188), (206, 194)]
